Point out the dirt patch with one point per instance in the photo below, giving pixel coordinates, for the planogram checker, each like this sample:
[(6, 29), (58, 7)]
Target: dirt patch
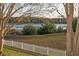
[(57, 40)]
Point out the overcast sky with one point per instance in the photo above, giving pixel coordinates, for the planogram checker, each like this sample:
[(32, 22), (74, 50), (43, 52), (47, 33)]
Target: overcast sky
[(45, 10)]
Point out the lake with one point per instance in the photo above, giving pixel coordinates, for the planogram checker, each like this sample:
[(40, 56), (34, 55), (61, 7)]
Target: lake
[(20, 26)]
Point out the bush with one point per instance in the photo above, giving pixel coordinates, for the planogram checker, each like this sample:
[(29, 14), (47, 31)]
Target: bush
[(29, 30), (47, 28), (59, 30)]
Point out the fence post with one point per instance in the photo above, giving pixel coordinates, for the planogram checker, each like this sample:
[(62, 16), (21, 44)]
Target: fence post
[(47, 51), (65, 52), (21, 45), (12, 43), (33, 48)]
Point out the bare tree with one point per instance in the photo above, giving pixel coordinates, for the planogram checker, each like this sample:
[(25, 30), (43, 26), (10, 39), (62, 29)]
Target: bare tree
[(76, 38), (69, 11), (6, 12), (69, 18), (72, 39), (19, 10)]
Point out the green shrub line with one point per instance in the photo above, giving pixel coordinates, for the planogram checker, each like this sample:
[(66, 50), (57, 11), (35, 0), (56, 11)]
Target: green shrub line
[(47, 28)]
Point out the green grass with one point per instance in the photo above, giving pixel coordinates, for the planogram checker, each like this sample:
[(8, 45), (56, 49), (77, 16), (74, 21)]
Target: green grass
[(9, 51)]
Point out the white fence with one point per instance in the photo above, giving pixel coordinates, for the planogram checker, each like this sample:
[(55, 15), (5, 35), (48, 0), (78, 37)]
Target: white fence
[(35, 48)]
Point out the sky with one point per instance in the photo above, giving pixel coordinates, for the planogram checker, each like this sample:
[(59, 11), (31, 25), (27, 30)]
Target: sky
[(43, 10), (46, 10), (35, 1), (40, 1)]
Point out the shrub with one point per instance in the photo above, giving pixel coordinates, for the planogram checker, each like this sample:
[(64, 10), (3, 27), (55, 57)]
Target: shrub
[(29, 30), (59, 30), (47, 28), (42, 30)]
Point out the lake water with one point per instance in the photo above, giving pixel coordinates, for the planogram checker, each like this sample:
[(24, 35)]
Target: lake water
[(20, 26)]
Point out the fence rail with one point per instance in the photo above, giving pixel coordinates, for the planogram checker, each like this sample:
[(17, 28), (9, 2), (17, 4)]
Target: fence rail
[(35, 48)]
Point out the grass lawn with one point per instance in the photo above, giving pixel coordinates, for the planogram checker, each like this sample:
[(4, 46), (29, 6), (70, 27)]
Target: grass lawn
[(9, 51), (56, 40)]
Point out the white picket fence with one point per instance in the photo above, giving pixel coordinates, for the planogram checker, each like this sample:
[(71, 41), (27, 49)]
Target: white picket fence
[(35, 48)]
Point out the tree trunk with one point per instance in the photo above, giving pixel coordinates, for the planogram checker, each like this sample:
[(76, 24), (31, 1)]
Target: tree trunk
[(1, 45), (1, 42), (76, 37), (69, 38)]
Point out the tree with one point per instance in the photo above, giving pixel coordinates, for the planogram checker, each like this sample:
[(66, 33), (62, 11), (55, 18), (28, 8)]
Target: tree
[(69, 18), (72, 39), (6, 12), (69, 11), (9, 10), (20, 11), (76, 38)]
